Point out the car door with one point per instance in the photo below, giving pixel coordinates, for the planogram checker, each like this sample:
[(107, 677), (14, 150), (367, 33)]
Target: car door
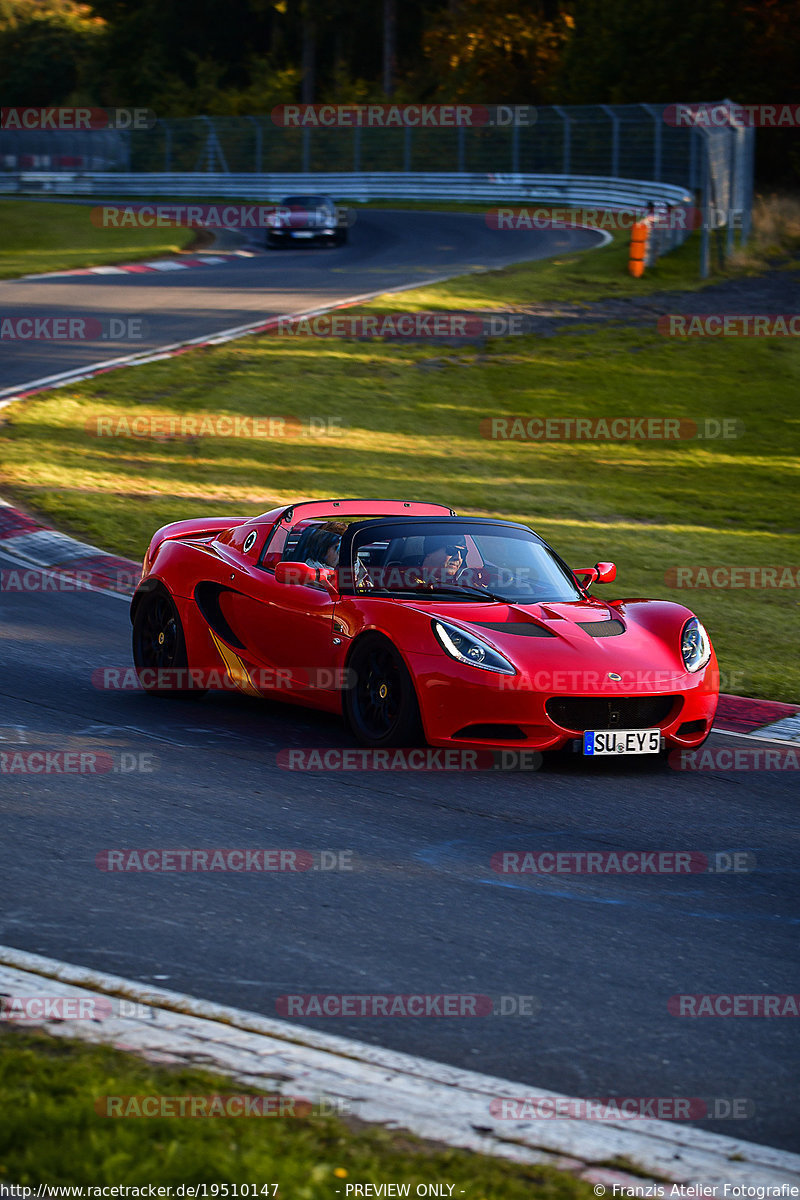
[(287, 628)]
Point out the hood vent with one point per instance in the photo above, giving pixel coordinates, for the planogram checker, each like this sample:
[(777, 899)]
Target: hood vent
[(523, 628), (599, 629)]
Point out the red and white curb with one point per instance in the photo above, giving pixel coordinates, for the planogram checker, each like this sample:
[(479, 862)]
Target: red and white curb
[(30, 542), (429, 1099), (27, 540), (158, 264), (761, 719)]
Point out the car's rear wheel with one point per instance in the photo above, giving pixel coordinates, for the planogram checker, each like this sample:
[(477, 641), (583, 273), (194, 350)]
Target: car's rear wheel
[(380, 704), (159, 647)]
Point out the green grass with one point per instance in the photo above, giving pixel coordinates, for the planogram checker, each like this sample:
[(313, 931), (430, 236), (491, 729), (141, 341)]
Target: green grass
[(50, 1133), (410, 418), (39, 237)]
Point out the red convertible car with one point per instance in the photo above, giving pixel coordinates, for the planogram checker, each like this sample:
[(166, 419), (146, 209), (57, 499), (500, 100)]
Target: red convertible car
[(420, 625)]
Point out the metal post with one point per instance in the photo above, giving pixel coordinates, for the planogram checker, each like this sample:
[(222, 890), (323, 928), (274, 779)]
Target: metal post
[(306, 167), (656, 114), (209, 146), (732, 190), (614, 139), (558, 109), (747, 169), (258, 143), (705, 240), (356, 148), (213, 147)]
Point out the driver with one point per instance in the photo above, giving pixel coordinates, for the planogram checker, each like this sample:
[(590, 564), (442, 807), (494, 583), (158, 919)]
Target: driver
[(442, 561)]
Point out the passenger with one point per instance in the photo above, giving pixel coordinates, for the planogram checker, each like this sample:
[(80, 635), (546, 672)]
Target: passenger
[(322, 548)]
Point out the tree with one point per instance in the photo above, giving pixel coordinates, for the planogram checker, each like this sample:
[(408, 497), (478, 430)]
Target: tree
[(498, 50), (45, 49)]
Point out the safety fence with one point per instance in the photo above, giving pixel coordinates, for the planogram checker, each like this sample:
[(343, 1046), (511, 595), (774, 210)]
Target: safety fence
[(617, 154)]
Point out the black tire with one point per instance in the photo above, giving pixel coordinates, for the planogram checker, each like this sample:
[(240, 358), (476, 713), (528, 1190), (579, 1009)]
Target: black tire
[(381, 705), (159, 645)]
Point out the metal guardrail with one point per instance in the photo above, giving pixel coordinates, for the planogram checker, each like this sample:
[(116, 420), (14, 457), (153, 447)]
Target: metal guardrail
[(574, 190)]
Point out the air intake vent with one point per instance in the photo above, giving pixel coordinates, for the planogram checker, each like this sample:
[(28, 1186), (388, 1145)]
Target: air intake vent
[(690, 727), (612, 628), (491, 733), (617, 712)]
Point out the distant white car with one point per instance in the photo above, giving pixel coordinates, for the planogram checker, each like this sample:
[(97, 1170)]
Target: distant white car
[(307, 218)]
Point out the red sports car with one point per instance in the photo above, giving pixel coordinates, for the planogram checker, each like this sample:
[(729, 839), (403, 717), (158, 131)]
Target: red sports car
[(420, 625)]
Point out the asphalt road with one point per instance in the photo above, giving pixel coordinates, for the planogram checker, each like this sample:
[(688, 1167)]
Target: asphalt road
[(385, 250), (422, 911)]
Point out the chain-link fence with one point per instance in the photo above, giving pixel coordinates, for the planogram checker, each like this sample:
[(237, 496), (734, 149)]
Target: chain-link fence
[(714, 162)]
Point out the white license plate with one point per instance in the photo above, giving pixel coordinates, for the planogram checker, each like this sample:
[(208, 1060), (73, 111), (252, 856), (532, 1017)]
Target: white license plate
[(622, 741), (302, 233)]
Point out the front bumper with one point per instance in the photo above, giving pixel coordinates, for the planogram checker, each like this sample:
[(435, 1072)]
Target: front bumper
[(499, 711)]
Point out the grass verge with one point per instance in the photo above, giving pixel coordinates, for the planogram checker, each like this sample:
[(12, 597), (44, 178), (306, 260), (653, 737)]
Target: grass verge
[(404, 419), (40, 237), (51, 1133)]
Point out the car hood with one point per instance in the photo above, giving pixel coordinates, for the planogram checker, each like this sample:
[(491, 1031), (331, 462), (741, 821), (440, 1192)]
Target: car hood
[(582, 635)]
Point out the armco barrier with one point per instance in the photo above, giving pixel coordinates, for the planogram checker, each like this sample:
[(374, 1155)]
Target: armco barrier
[(573, 190)]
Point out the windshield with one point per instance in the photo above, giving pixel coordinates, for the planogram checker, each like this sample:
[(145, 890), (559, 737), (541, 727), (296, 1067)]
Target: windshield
[(452, 558), (312, 203)]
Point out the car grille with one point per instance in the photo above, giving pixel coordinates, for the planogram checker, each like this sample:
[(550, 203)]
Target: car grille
[(615, 712)]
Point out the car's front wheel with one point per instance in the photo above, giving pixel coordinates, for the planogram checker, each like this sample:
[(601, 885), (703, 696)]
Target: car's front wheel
[(381, 704), (159, 647)]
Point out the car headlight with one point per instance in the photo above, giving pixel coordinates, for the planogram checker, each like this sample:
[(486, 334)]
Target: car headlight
[(695, 645), (466, 648)]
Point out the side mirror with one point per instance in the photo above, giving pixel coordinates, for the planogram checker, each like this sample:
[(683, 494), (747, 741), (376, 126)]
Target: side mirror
[(303, 573), (606, 572), (603, 572), (295, 572)]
